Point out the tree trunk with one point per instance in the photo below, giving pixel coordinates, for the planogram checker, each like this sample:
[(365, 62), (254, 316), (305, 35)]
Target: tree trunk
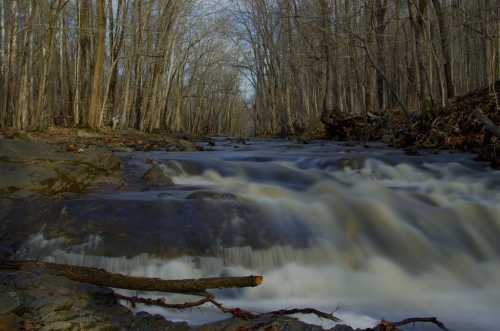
[(445, 48), (96, 95)]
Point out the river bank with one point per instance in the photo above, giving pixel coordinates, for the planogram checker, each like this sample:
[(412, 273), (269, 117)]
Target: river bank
[(468, 123)]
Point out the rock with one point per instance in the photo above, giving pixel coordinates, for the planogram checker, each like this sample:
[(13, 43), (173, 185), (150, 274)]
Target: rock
[(352, 163), (342, 327), (183, 145), (60, 326), (300, 141), (6, 252), (239, 140), (412, 151), (9, 302), (10, 322), (60, 316), (87, 134), (212, 195), (50, 169), (156, 175), (123, 149), (264, 323)]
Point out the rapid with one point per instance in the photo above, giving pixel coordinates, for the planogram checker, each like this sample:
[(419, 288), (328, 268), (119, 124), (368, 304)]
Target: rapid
[(368, 232)]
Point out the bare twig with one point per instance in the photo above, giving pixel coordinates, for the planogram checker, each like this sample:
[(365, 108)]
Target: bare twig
[(309, 311), (235, 312), (161, 302)]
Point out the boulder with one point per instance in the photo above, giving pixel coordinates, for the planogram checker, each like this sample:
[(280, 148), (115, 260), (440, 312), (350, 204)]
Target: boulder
[(156, 175)]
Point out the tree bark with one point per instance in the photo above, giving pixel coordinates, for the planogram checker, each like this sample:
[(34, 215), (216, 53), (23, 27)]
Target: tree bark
[(96, 96), (102, 278), (445, 47)]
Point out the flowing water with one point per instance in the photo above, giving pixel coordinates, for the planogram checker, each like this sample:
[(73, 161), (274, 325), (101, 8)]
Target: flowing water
[(370, 232)]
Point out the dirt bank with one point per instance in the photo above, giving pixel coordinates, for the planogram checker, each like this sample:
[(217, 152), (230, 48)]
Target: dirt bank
[(454, 127)]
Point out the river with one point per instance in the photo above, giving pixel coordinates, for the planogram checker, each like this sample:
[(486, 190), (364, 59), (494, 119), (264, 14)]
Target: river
[(368, 232)]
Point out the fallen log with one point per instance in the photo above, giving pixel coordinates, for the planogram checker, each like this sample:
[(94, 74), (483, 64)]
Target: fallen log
[(103, 278)]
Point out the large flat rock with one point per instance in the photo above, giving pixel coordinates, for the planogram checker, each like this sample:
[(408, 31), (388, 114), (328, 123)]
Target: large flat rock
[(30, 167)]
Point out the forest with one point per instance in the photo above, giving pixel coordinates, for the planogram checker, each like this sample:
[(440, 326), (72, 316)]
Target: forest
[(249, 165), (238, 67)]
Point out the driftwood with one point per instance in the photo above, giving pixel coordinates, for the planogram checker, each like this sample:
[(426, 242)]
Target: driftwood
[(103, 278)]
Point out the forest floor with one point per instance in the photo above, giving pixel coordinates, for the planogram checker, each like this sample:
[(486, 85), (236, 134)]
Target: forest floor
[(457, 126), (114, 140)]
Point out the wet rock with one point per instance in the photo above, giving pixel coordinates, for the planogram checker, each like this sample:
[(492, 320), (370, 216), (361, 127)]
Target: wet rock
[(9, 302), (183, 145), (123, 149), (267, 323), (157, 175), (211, 195), (10, 322), (60, 326), (55, 303), (238, 140), (87, 134), (183, 167), (351, 163), (50, 169), (300, 141)]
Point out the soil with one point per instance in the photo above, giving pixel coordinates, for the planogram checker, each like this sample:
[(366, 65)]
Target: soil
[(453, 127)]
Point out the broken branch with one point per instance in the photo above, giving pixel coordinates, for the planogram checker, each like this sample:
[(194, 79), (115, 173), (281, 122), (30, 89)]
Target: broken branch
[(307, 311), (162, 303), (103, 278)]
